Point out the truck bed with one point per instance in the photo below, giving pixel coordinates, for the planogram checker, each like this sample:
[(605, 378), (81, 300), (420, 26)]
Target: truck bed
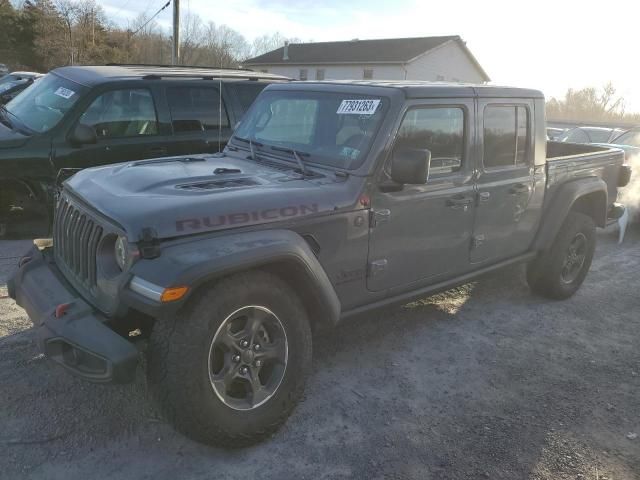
[(571, 160)]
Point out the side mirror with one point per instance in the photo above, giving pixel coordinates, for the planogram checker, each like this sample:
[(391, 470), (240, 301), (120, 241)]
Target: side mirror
[(83, 135), (410, 166)]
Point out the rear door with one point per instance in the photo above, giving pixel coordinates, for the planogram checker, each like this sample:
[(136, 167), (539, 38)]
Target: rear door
[(505, 218), (421, 233), (199, 118)]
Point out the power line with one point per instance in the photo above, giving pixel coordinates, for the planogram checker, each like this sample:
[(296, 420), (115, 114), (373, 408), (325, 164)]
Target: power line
[(152, 17)]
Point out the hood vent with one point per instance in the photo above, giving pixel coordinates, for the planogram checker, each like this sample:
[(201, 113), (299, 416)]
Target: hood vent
[(216, 184)]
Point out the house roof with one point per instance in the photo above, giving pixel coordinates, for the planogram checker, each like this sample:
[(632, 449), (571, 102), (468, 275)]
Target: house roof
[(390, 50)]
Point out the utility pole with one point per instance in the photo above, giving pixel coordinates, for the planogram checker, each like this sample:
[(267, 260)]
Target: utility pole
[(175, 55)]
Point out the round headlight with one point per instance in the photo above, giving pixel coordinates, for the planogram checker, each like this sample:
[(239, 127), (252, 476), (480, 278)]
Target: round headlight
[(122, 252)]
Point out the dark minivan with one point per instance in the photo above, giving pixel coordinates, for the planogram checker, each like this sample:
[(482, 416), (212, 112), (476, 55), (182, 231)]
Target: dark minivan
[(83, 116)]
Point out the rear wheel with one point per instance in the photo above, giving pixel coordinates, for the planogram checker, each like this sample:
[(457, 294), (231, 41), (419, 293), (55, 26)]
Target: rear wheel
[(559, 272), (232, 367)]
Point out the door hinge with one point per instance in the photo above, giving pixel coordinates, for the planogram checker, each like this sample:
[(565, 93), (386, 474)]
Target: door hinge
[(477, 241), (376, 267), (378, 217)]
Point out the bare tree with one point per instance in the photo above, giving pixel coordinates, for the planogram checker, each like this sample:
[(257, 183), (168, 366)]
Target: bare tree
[(68, 11), (591, 105)]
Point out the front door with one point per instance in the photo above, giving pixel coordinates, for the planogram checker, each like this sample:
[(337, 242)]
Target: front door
[(127, 128), (503, 225), (199, 118), (421, 233)]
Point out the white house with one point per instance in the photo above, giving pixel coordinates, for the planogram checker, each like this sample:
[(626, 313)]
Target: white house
[(425, 58)]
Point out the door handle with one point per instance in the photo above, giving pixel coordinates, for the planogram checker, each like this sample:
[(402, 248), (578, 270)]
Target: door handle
[(484, 197), (518, 189), (459, 202)]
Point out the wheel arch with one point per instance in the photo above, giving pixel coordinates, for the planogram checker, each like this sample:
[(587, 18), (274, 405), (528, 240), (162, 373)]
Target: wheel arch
[(202, 263), (587, 196)]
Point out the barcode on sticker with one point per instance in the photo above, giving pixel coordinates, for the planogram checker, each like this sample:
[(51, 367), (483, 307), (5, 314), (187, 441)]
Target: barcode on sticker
[(64, 92), (358, 107)]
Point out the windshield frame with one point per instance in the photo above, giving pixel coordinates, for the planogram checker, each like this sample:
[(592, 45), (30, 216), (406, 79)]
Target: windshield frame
[(284, 151)]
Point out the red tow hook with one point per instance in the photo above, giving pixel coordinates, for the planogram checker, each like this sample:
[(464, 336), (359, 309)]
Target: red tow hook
[(62, 309), (24, 260)]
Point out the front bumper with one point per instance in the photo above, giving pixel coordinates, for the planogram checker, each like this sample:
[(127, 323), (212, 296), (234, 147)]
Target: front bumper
[(75, 336)]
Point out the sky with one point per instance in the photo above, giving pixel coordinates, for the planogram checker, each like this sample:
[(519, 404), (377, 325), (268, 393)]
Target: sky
[(551, 45)]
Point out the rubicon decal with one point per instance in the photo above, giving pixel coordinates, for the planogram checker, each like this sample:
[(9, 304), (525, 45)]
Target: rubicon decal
[(244, 218)]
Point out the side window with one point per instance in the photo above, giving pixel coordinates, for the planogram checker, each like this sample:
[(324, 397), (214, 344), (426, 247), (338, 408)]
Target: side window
[(122, 113), (438, 129), (247, 93), (506, 136), (196, 109)]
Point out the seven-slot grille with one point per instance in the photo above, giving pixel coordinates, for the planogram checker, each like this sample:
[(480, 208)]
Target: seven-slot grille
[(75, 241)]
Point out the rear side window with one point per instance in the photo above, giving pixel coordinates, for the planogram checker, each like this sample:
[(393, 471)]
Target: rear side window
[(506, 136), (122, 113), (196, 109), (439, 130), (247, 93)]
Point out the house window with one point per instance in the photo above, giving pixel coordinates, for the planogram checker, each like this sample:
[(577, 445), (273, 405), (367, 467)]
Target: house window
[(367, 74), (303, 74), (440, 78), (320, 74)]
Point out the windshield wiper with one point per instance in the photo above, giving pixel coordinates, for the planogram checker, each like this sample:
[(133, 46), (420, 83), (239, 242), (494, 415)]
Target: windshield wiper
[(17, 125), (251, 144), (4, 117), (297, 155)]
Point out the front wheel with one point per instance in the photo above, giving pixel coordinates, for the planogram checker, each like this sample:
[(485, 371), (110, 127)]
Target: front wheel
[(559, 272), (232, 367)]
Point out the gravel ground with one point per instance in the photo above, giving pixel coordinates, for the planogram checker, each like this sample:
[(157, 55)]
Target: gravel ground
[(487, 381)]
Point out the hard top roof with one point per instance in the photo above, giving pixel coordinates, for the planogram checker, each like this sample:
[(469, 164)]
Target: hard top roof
[(419, 89), (90, 75)]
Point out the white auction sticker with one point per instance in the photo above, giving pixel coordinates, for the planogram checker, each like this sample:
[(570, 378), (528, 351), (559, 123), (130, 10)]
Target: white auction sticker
[(358, 107), (64, 92)]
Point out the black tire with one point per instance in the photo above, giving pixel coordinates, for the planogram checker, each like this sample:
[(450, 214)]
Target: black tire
[(179, 361), (552, 274)]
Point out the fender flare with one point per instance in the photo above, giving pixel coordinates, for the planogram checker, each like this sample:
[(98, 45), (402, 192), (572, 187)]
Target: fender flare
[(195, 261), (564, 201)]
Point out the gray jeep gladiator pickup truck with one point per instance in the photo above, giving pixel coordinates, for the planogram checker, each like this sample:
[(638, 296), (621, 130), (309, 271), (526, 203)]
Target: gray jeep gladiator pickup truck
[(331, 199)]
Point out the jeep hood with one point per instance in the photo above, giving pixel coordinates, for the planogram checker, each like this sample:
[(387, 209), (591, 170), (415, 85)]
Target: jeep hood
[(186, 195)]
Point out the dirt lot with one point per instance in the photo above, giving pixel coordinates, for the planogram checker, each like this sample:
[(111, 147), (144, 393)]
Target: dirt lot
[(485, 382)]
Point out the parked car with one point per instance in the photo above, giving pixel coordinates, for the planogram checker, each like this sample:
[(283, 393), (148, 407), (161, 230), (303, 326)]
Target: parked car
[(630, 138), (4, 70), (14, 83), (331, 199), (555, 133), (589, 135), (78, 117)]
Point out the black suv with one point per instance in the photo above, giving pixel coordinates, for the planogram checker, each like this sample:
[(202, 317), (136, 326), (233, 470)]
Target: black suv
[(79, 117)]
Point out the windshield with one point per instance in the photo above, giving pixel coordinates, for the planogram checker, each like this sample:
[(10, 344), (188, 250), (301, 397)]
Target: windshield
[(631, 138), (334, 129), (41, 107)]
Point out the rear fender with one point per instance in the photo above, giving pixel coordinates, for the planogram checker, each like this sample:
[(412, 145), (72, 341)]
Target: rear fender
[(588, 196), (201, 260)]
